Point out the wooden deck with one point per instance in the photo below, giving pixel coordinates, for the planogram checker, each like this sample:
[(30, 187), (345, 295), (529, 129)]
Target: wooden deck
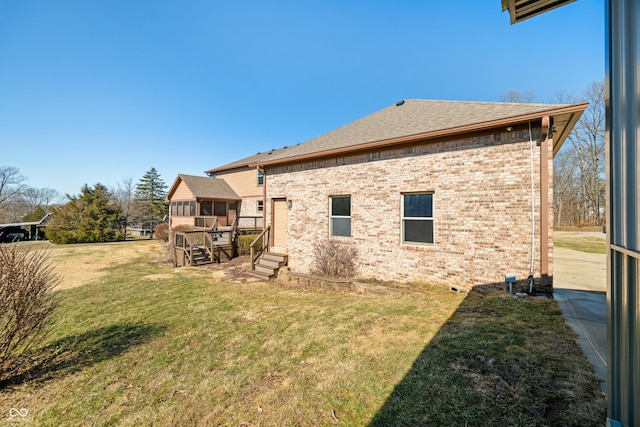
[(209, 243)]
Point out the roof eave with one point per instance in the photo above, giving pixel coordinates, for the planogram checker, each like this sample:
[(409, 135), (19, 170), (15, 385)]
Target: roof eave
[(576, 111), (226, 168), (560, 136), (521, 10)]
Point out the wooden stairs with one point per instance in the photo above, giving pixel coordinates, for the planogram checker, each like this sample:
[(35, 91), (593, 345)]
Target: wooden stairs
[(268, 265), (200, 256)]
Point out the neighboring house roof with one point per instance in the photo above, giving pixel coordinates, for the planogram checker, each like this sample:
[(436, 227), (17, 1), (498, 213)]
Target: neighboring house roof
[(415, 119), (204, 187), (44, 221)]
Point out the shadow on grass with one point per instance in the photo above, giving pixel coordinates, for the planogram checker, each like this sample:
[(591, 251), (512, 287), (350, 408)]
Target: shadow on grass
[(74, 352), (499, 360)]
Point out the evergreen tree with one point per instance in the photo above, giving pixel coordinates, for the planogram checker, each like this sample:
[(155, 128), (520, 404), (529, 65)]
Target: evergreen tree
[(36, 215), (88, 217), (149, 198)]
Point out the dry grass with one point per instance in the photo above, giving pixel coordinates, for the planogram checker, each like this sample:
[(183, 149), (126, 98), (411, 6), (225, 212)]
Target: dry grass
[(148, 345), (80, 264)]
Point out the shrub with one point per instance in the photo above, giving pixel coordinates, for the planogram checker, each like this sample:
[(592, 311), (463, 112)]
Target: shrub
[(182, 227), (244, 243), (334, 259), (161, 232), (27, 301), (90, 217)]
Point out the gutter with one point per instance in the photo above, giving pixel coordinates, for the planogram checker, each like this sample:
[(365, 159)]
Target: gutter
[(429, 135), (576, 111)]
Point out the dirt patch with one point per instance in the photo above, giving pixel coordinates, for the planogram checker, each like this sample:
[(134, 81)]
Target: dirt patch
[(235, 270)]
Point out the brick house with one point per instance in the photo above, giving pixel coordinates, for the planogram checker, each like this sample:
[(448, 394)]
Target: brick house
[(447, 192)]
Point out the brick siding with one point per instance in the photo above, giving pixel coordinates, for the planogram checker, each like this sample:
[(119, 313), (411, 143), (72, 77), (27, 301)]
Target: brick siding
[(481, 200)]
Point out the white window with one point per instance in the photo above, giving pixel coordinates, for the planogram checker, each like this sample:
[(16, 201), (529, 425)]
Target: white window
[(340, 212), (417, 218), (260, 206)]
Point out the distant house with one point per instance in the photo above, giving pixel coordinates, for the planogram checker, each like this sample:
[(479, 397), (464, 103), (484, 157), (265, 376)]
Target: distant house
[(212, 206), (437, 191), (33, 230), (196, 200)]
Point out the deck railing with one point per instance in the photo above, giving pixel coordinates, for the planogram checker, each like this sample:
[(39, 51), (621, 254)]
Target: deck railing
[(208, 222), (184, 247), (214, 242), (259, 246), (249, 223)]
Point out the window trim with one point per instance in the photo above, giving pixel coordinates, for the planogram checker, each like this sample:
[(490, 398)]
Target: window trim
[(183, 208), (422, 218), (332, 216)]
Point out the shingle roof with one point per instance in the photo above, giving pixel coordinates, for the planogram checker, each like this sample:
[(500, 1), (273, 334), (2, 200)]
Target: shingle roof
[(205, 187), (405, 118)]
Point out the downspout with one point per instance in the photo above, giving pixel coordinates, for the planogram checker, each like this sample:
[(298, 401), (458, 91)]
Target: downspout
[(544, 202), (533, 211)]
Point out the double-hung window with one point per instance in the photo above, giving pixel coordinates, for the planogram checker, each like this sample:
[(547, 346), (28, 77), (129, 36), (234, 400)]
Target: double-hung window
[(417, 218), (340, 212)]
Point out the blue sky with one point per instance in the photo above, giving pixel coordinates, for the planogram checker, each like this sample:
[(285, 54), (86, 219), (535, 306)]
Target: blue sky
[(98, 91)]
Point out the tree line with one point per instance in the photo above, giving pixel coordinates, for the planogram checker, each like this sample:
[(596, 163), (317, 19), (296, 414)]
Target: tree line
[(21, 203), (97, 214)]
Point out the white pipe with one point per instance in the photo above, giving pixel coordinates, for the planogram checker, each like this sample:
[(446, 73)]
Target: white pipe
[(533, 199)]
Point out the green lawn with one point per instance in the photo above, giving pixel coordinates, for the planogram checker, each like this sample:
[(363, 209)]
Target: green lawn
[(148, 345), (592, 245)]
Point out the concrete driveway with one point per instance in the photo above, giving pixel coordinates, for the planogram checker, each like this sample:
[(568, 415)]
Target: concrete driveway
[(580, 288)]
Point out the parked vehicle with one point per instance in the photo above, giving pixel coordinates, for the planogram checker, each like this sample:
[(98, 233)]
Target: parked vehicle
[(13, 235)]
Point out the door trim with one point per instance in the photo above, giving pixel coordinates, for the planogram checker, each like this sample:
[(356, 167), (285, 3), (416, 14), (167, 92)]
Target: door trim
[(273, 217)]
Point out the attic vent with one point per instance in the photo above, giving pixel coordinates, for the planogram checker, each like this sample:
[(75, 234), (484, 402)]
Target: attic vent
[(399, 103)]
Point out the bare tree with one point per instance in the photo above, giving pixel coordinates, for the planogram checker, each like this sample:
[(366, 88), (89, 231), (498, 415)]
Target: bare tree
[(34, 198), (578, 181), (124, 195), (11, 183), (518, 96), (566, 182), (587, 140)]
